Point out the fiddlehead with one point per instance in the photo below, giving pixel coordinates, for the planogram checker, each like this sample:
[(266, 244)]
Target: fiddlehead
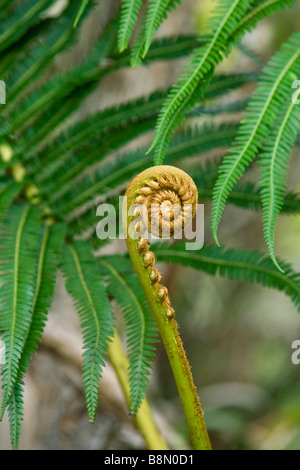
[(162, 201)]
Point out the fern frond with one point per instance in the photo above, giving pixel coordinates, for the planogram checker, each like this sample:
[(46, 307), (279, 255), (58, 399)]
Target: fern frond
[(272, 93), (71, 171), (129, 14), (157, 11), (274, 165), (63, 85), (25, 15), (170, 48), (15, 415), (81, 11), (186, 91), (37, 136), (245, 195), (49, 250), (187, 143), (222, 84), (235, 264), (19, 248), (111, 119), (259, 9), (216, 109), (7, 193), (85, 285), (57, 38), (124, 287)]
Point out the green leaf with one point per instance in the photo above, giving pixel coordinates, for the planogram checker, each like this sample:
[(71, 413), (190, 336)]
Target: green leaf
[(25, 15), (274, 166), (84, 283), (113, 119), (196, 75), (124, 287), (57, 37), (61, 86), (235, 264), (156, 13), (121, 169), (273, 92), (129, 14), (81, 10), (7, 193), (19, 248), (48, 258)]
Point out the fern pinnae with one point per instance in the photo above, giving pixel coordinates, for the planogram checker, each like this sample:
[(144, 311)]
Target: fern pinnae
[(50, 245), (129, 14), (59, 35), (19, 242), (259, 10), (240, 265), (183, 94), (24, 16), (124, 287), (85, 285), (274, 162), (81, 10), (272, 91), (7, 194), (157, 10)]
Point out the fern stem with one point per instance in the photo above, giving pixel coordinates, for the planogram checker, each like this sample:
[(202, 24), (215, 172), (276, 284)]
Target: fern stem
[(144, 419), (164, 183)]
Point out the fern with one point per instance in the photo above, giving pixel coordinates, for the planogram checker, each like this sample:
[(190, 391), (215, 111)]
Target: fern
[(274, 162), (26, 14), (185, 93), (273, 91), (260, 9), (84, 283), (157, 11), (129, 14), (81, 10), (49, 250), (244, 195), (58, 36), (60, 87), (65, 165), (7, 193), (19, 247), (141, 329), (118, 172), (235, 264), (76, 167), (227, 27)]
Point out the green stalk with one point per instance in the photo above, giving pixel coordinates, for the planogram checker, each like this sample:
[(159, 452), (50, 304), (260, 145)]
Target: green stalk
[(144, 420)]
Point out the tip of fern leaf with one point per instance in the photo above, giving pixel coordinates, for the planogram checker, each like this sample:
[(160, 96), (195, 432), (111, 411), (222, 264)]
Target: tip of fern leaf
[(215, 236), (2, 412), (149, 150), (277, 264)]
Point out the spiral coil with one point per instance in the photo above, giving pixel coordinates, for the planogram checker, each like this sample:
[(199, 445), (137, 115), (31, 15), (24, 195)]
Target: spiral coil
[(163, 201)]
